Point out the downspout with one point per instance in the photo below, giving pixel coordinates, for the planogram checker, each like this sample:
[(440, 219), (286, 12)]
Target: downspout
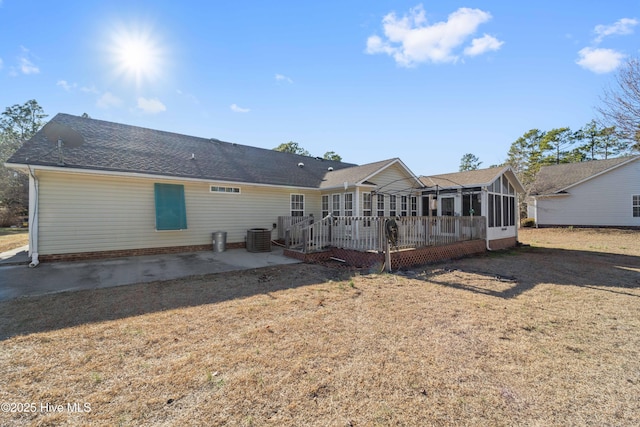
[(33, 221)]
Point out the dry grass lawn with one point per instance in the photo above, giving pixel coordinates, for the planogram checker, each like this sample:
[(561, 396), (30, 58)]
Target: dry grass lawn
[(547, 334), (12, 238)]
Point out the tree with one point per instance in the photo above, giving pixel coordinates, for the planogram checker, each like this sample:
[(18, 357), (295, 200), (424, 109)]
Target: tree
[(469, 162), (525, 156), (598, 140), (292, 147), (17, 124), (621, 103), (331, 155), (556, 141)]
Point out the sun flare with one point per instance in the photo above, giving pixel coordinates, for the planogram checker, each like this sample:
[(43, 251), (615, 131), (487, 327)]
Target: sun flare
[(137, 54)]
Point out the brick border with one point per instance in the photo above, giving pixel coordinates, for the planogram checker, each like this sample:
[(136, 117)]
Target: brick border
[(83, 256), (498, 244)]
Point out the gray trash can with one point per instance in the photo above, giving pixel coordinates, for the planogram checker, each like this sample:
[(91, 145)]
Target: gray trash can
[(219, 241)]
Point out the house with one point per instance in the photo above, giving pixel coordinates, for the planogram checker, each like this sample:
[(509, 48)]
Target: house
[(491, 193), (101, 189), (597, 193)]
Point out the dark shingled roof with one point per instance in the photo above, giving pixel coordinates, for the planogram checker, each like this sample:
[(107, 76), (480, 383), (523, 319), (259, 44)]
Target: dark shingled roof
[(122, 148), (557, 178), (479, 177)]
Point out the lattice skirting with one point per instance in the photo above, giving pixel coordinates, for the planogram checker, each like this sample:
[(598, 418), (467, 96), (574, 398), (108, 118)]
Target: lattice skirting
[(399, 259)]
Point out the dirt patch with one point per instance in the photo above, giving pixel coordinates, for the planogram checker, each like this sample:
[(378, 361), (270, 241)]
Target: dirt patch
[(546, 334)]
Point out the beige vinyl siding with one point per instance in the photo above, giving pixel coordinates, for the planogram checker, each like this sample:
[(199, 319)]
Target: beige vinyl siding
[(86, 213), (392, 180)]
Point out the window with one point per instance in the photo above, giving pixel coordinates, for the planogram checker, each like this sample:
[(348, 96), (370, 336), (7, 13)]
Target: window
[(348, 204), (414, 206), (335, 204), (471, 202), (366, 204), (636, 206), (325, 205), (502, 205), (392, 205), (447, 206), (171, 212), (492, 209), (227, 190), (403, 206), (297, 205), (380, 204)]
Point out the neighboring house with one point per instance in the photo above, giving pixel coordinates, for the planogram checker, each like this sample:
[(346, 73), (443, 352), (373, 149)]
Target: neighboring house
[(492, 193), (593, 193), (127, 190)]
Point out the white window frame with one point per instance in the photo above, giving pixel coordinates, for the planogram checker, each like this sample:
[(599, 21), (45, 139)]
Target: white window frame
[(380, 204), (366, 204), (393, 205), (336, 204), (348, 204), (404, 205), (297, 204), (325, 205), (635, 203), (219, 189)]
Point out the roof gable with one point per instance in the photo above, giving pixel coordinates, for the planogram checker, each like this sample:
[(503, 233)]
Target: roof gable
[(361, 175), (556, 179), (123, 148), (474, 178)]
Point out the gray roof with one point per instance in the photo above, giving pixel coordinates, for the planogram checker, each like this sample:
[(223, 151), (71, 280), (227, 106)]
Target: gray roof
[(130, 149), (358, 174), (556, 179), (475, 178)]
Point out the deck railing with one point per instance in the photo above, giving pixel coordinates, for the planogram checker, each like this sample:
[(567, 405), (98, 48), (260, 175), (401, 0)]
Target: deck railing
[(292, 222), (367, 233)]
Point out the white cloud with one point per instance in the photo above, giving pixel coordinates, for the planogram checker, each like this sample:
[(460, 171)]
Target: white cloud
[(482, 45), (108, 100), (598, 60), (620, 27), (410, 40), (90, 89), (26, 66), (237, 109), (283, 78), (151, 106), (65, 85)]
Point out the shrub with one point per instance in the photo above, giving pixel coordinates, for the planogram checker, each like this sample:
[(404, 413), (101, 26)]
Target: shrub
[(528, 222)]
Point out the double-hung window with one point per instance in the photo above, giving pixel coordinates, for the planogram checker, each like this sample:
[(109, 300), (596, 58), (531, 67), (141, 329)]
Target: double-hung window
[(403, 205), (335, 204), (392, 205), (325, 205), (636, 205), (380, 204), (297, 205), (348, 204), (366, 204)]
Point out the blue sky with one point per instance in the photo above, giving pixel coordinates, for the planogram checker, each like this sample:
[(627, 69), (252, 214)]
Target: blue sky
[(423, 81)]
